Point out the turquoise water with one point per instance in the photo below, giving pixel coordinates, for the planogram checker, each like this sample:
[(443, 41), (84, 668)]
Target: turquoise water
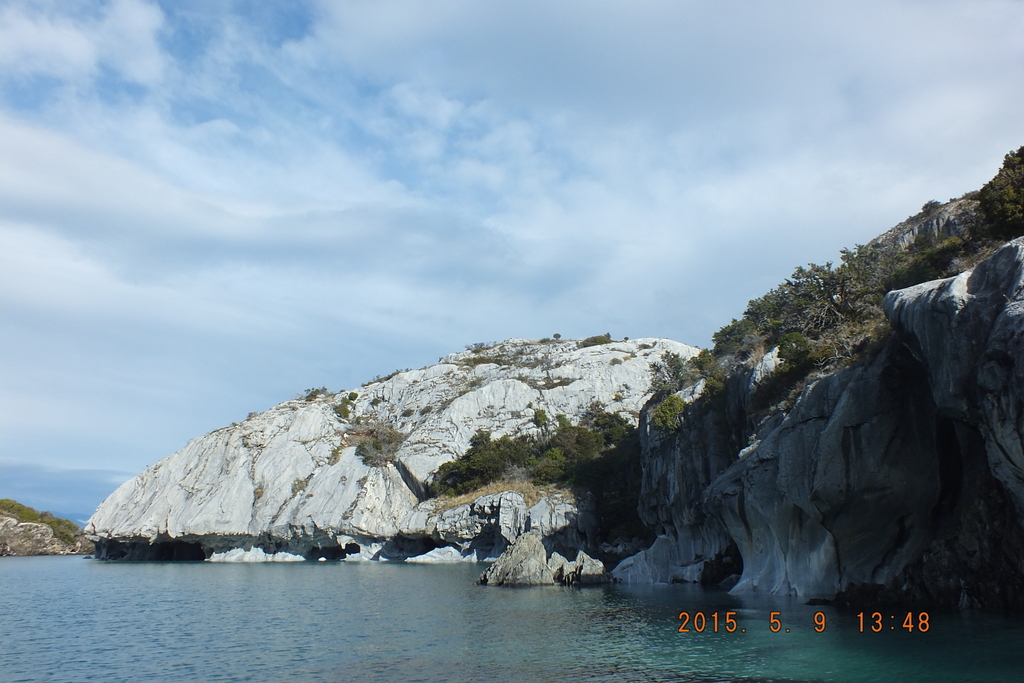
[(70, 619)]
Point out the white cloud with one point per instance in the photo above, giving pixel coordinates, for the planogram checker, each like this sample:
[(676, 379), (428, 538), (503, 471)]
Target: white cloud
[(44, 45), (37, 39), (204, 209)]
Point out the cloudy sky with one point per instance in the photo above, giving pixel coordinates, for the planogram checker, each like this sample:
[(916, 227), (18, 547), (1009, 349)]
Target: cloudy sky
[(208, 206)]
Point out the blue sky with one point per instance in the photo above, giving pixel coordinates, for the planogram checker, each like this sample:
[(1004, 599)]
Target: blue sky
[(209, 206)]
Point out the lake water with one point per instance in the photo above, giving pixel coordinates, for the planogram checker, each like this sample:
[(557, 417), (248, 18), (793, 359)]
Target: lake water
[(71, 619)]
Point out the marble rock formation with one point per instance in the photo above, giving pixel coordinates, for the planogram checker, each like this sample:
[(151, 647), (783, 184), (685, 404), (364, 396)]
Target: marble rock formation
[(526, 563), (291, 479), (897, 479)]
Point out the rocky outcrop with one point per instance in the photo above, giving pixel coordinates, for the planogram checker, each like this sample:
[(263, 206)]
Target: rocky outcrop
[(292, 479), (32, 538), (582, 571), (526, 563), (898, 479), (486, 526), (957, 218)]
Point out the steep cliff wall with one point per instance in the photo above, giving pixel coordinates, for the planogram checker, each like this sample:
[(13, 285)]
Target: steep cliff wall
[(291, 478), (899, 478)]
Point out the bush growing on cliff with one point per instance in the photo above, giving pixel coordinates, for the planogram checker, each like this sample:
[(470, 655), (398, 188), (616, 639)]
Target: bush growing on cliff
[(596, 340), (794, 349), (344, 409), (735, 337), (666, 416), (670, 373), (378, 444), (1002, 198), (312, 394), (600, 455), (485, 460)]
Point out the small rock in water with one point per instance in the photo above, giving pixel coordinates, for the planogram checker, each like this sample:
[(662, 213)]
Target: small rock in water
[(525, 563)]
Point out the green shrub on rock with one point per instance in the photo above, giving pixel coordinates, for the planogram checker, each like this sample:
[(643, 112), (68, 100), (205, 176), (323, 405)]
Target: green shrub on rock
[(666, 416), (1002, 198), (596, 340)]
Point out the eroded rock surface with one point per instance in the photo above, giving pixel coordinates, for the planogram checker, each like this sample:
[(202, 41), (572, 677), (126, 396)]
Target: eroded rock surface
[(290, 480), (31, 538), (899, 479), (526, 563)]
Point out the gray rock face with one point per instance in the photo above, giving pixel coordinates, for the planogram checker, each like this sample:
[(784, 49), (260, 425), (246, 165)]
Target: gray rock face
[(954, 219), (523, 564), (526, 563), (898, 479), (968, 331), (289, 479), (841, 492), (583, 571)]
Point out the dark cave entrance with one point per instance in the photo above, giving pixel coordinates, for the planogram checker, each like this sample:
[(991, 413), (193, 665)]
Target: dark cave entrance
[(333, 552), (178, 551)]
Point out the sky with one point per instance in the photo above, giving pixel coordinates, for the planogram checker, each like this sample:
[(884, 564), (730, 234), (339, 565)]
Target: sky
[(208, 206)]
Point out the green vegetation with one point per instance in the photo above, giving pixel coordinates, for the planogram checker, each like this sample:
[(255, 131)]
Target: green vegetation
[(597, 340), (344, 409), (600, 455), (311, 394), (298, 485), (378, 444), (666, 416), (825, 315), (1002, 199), (670, 374), (473, 361), (64, 529)]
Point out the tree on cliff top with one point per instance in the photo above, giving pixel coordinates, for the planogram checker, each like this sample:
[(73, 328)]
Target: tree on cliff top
[(1002, 198)]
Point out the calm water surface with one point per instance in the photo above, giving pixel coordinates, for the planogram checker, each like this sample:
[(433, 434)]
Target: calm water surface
[(70, 619)]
